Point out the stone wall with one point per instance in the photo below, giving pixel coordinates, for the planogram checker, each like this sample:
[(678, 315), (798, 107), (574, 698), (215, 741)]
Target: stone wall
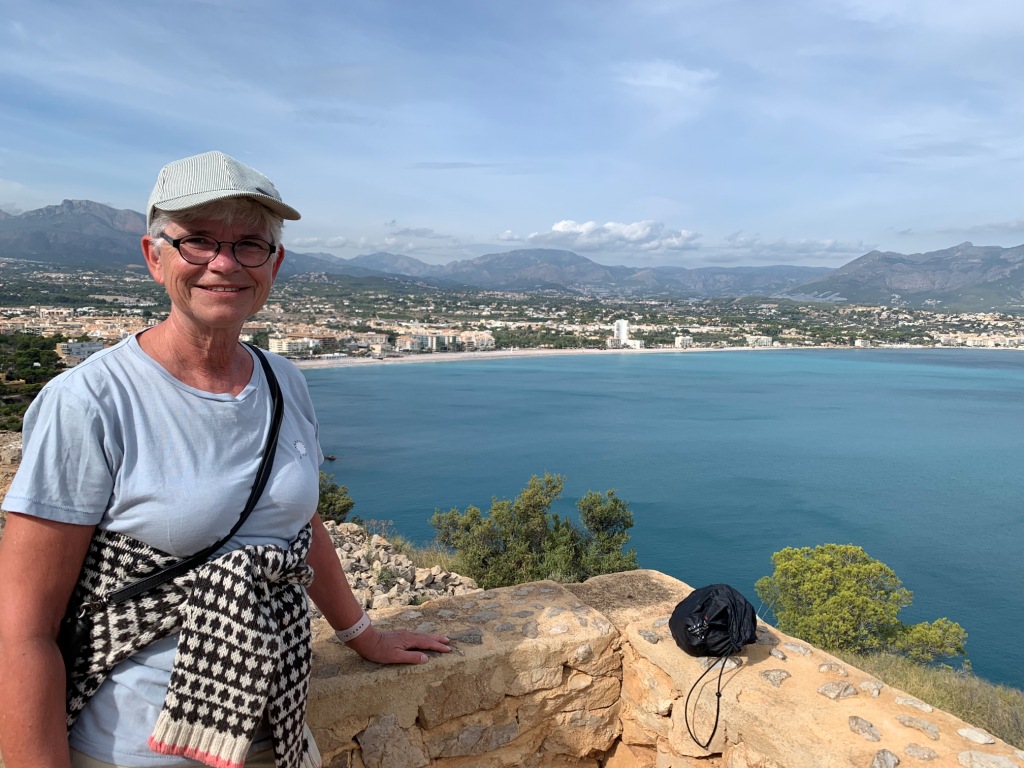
[(588, 675)]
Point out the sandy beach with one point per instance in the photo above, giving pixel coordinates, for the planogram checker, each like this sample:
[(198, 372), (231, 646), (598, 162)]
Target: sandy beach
[(443, 357)]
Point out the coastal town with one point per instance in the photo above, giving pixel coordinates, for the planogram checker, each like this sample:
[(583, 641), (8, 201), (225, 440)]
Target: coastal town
[(374, 324)]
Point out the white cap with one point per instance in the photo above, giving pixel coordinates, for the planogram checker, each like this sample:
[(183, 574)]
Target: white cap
[(201, 179)]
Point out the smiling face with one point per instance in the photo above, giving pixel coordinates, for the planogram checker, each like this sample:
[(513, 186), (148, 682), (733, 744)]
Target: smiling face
[(215, 298)]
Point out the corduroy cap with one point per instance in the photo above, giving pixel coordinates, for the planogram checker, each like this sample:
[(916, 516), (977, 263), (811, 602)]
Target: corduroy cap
[(201, 179)]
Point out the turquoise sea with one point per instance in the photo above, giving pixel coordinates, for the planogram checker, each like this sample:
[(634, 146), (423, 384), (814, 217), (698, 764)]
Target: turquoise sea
[(724, 457)]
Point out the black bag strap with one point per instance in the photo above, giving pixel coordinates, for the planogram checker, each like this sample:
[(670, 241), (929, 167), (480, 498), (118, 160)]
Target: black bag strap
[(718, 702), (262, 475)]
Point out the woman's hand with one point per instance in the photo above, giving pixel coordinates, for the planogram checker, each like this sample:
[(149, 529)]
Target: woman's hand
[(332, 594), (397, 647)]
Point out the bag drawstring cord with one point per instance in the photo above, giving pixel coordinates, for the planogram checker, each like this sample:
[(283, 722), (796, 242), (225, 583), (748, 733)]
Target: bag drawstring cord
[(718, 702)]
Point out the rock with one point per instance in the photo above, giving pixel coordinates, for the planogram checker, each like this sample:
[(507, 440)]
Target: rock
[(837, 691), (796, 648), (649, 636), (976, 735), (706, 662), (972, 759), (885, 759), (583, 653), (364, 558), (832, 667), (468, 636), (386, 744), (775, 676), (871, 688), (921, 753), (928, 729), (764, 636), (909, 702), (864, 728)]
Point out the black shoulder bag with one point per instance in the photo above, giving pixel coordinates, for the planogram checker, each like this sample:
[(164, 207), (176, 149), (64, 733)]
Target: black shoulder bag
[(75, 625), (713, 621)]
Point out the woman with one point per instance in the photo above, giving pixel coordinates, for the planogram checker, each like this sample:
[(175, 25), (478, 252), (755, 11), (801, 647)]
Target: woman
[(158, 440)]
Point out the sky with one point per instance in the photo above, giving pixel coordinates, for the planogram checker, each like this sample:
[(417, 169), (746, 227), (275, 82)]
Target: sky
[(639, 132)]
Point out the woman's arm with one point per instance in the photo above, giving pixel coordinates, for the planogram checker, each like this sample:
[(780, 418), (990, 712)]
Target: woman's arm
[(333, 596), (39, 565)]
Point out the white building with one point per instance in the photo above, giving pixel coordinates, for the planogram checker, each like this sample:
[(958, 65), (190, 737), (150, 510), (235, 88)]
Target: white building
[(292, 346), (474, 341), (74, 352), (622, 331)]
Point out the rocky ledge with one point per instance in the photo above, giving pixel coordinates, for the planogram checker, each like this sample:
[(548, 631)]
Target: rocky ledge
[(382, 577)]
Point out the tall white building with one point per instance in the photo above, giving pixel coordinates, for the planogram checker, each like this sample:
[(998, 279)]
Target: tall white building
[(621, 338)]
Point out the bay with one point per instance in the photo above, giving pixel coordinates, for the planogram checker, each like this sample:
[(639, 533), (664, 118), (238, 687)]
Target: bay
[(724, 458)]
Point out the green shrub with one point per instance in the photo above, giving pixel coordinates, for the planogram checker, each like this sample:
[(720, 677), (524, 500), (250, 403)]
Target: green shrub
[(523, 540), (840, 599), (334, 503)]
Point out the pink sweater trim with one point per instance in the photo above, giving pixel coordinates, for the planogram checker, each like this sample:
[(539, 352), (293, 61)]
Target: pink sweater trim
[(207, 758)]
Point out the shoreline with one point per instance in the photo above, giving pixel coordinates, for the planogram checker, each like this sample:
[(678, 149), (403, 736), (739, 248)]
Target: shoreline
[(500, 354)]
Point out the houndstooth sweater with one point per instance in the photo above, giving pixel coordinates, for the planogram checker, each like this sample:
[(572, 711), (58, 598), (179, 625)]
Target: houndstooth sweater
[(244, 647)]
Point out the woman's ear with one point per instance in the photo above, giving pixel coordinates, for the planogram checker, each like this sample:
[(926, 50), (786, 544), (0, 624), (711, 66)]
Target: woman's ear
[(278, 259), (151, 253)]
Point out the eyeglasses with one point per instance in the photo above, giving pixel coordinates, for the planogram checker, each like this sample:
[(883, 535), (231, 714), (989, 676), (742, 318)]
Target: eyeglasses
[(198, 249)]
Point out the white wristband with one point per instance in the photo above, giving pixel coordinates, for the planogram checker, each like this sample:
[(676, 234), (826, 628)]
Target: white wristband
[(345, 635)]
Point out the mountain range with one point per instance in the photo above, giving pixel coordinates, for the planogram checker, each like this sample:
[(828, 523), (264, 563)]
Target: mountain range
[(86, 234)]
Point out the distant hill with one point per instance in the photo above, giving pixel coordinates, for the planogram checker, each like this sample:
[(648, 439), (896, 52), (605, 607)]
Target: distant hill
[(82, 233), (964, 277), (535, 269), (395, 264), (76, 232)]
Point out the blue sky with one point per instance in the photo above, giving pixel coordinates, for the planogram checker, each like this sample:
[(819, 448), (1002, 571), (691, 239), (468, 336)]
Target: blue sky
[(689, 132)]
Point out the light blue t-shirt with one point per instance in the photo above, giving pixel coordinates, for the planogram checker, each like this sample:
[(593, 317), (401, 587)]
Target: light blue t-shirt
[(120, 443)]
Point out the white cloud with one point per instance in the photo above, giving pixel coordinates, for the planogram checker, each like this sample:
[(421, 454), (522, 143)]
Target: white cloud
[(508, 236), (673, 92), (742, 246), (666, 76), (1008, 227), (979, 16), (423, 232), (644, 236), (319, 242)]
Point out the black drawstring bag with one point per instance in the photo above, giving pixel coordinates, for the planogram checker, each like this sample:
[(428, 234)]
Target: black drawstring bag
[(715, 621)]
